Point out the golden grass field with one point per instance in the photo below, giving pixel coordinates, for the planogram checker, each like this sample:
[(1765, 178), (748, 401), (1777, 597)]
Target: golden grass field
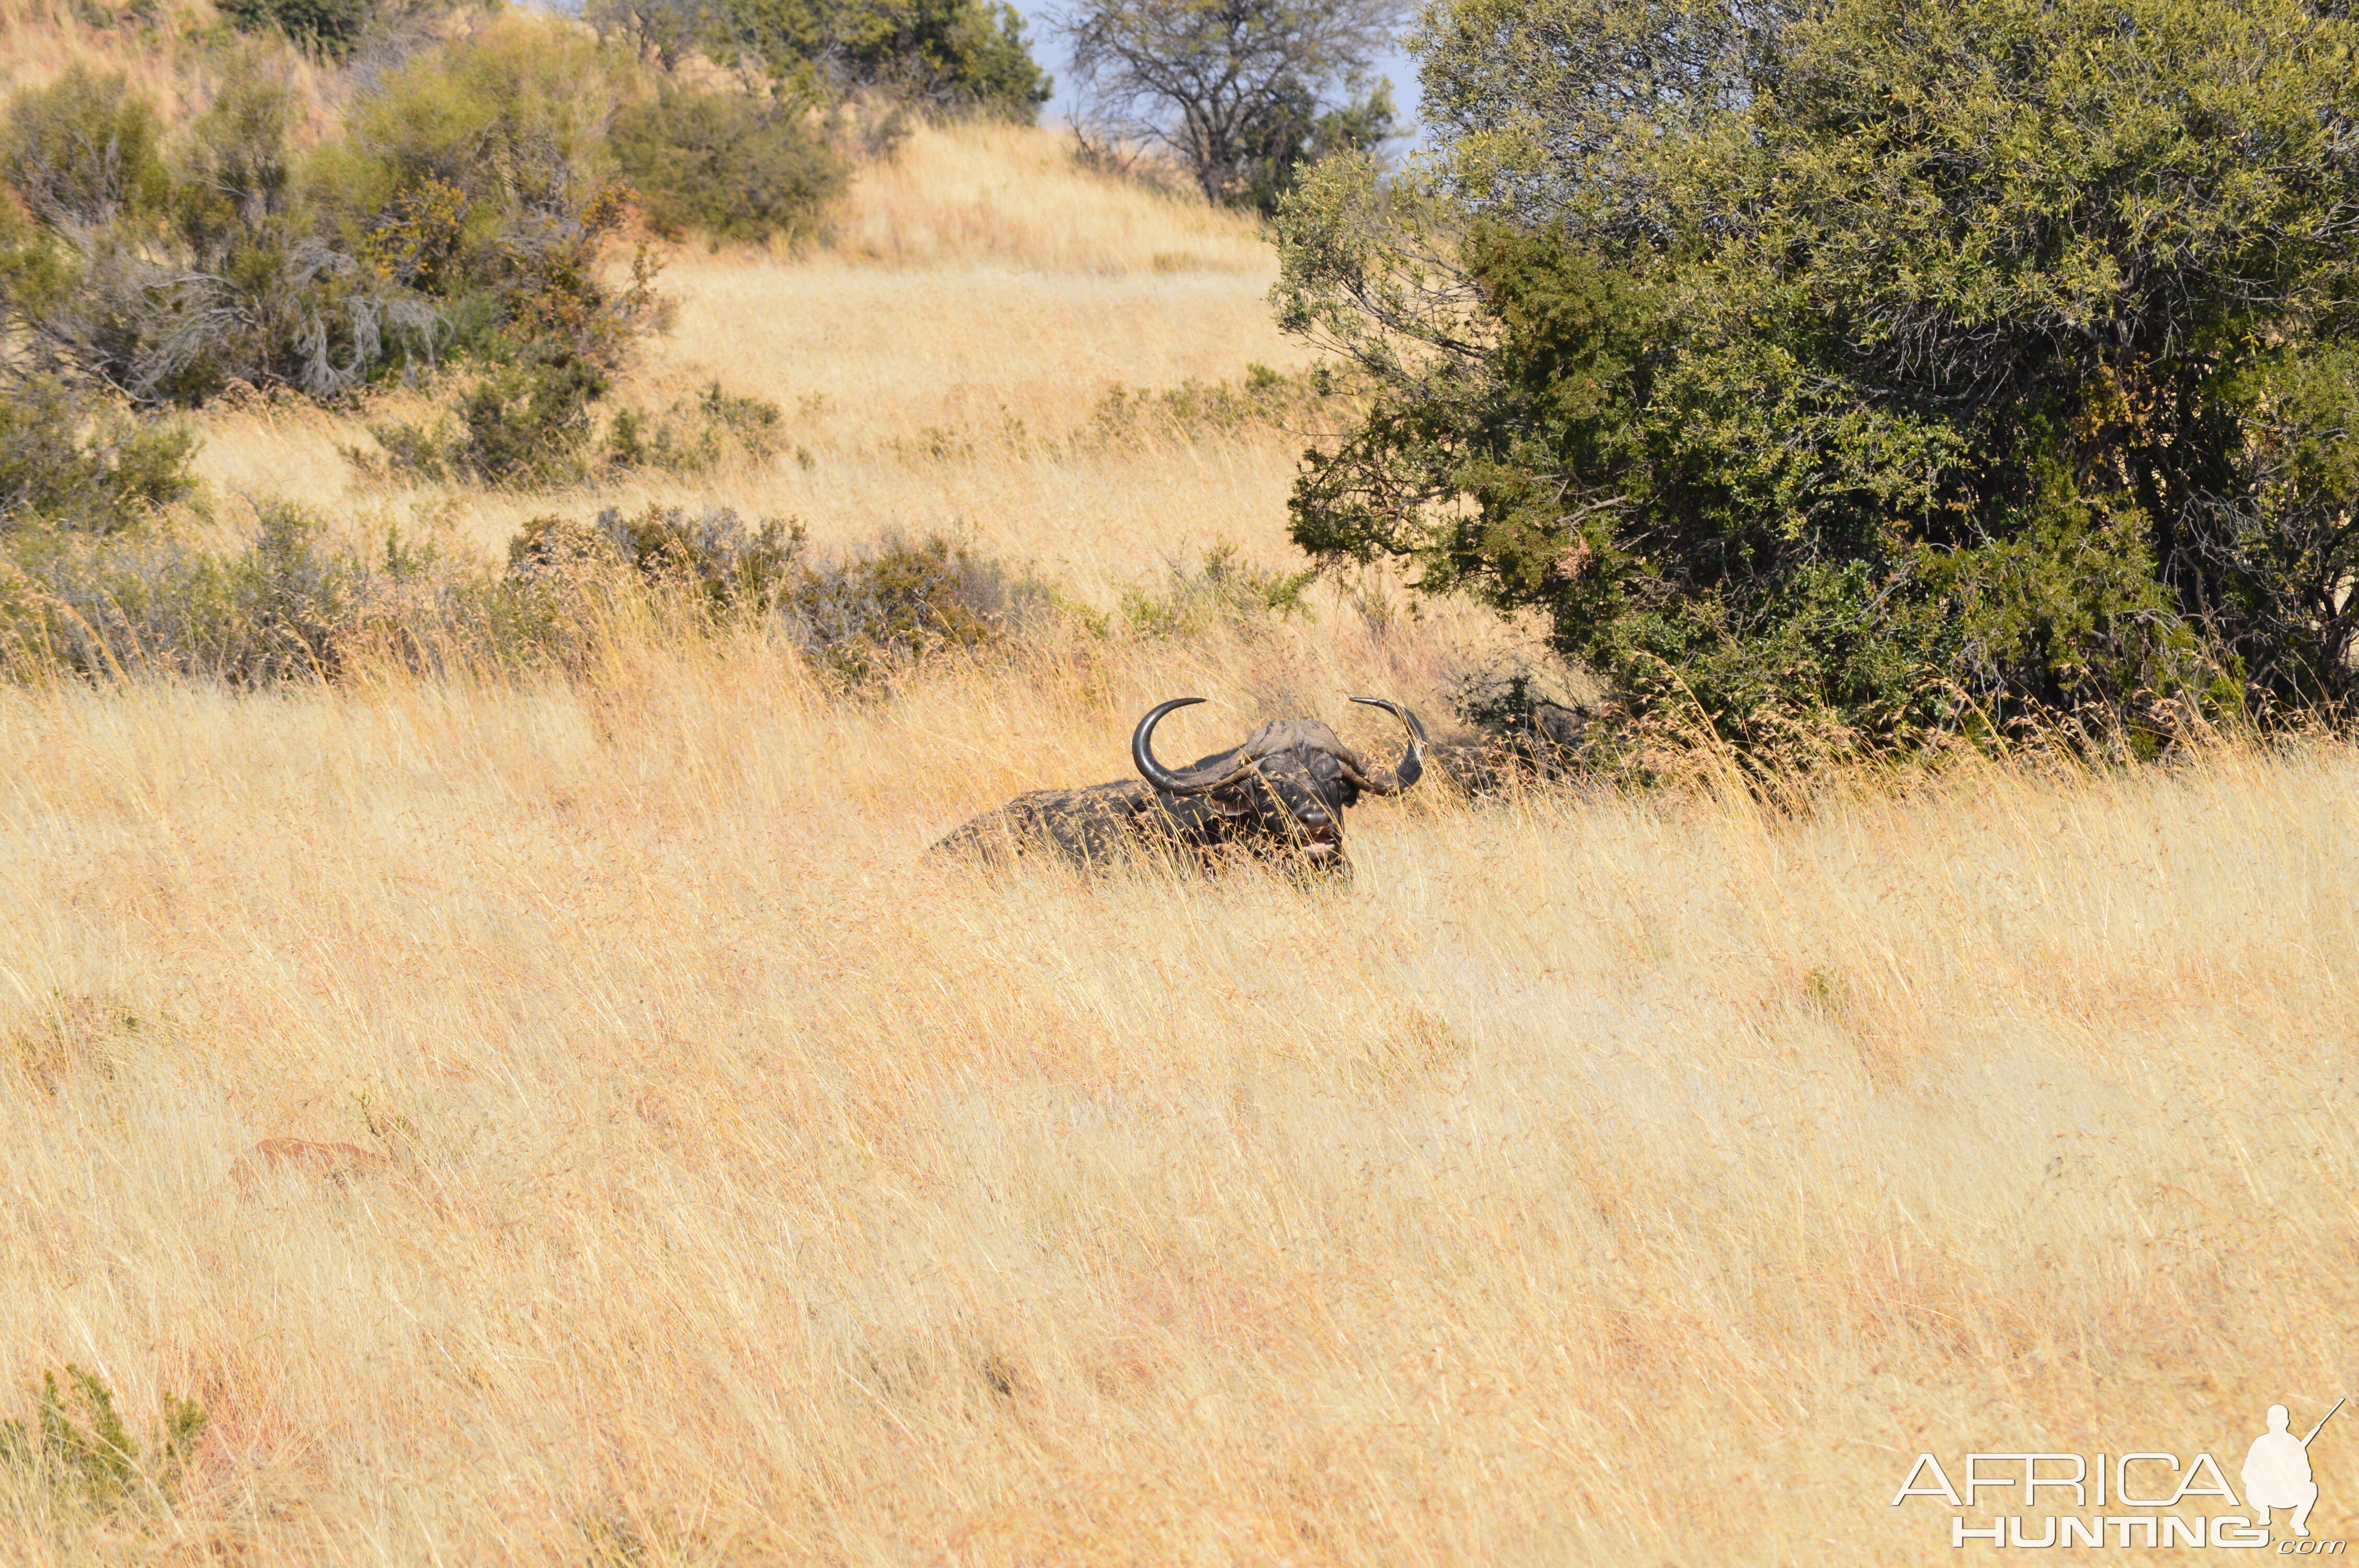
[(980, 294), (1596, 1179)]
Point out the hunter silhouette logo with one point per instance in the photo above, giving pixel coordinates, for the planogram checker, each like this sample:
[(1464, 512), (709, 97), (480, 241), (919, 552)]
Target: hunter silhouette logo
[(2143, 1499), (2277, 1471)]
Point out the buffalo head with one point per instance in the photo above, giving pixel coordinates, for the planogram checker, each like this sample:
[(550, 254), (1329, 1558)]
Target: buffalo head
[(1290, 782), (1283, 792)]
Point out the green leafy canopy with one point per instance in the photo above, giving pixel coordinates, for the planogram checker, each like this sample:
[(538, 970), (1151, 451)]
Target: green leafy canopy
[(1867, 370)]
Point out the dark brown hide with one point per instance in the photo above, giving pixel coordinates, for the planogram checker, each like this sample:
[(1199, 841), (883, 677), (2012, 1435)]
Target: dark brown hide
[(1283, 792)]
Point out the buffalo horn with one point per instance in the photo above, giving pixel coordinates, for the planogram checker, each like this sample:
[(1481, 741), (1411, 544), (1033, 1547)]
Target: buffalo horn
[(1191, 780), (1412, 763)]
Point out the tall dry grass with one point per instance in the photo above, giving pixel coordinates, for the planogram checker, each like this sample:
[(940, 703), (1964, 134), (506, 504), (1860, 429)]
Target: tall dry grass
[(1600, 1179), (1015, 197), (41, 40), (1596, 1179), (177, 64)]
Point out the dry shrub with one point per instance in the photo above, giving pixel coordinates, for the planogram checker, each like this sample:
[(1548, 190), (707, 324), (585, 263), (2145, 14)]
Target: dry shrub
[(727, 164)]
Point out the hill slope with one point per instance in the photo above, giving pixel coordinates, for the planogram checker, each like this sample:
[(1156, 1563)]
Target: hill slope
[(1594, 1179), (976, 303)]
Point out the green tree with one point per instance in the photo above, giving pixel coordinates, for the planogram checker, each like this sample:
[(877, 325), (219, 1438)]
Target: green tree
[(1294, 132), (1868, 369), (957, 55), (1233, 87)]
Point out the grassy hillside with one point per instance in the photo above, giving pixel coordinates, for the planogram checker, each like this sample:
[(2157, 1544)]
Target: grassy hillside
[(977, 302), (1596, 1179)]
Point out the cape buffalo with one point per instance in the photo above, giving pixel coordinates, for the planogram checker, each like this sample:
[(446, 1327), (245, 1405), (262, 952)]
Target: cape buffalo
[(1282, 793)]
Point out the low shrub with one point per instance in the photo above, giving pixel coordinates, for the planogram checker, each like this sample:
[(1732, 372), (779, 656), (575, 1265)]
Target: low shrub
[(406, 450), (1266, 399), (859, 621), (1125, 417), (297, 604), (1222, 591), (330, 28), (713, 558), (724, 165), (692, 437), (294, 604), (282, 609), (533, 428), (78, 1445), (528, 425), (63, 464), (863, 620)]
